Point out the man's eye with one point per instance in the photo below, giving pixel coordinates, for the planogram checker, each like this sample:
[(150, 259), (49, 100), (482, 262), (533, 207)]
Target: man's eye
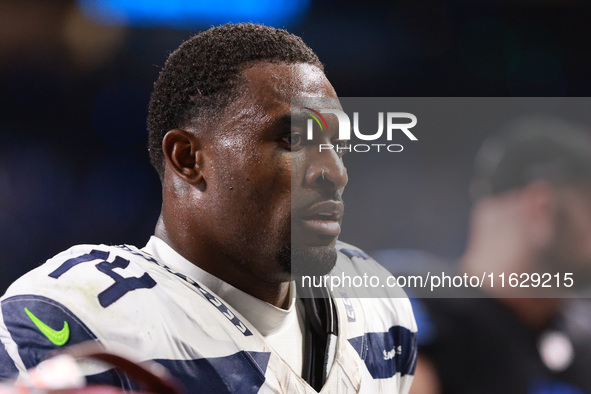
[(294, 141)]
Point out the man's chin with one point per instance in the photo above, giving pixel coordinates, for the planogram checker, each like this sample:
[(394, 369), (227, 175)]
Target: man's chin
[(312, 261), (306, 261)]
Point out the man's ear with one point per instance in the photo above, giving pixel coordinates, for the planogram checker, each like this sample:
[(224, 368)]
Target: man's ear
[(183, 154)]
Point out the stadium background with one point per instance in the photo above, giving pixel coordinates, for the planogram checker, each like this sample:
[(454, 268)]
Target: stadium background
[(74, 92)]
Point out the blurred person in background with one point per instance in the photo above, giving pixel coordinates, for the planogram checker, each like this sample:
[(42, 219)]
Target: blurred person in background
[(531, 215)]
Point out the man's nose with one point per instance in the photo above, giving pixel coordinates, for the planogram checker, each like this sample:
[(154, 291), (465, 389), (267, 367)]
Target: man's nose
[(327, 171)]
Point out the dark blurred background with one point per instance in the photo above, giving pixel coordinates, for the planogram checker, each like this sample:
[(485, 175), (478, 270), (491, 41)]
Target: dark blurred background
[(75, 79)]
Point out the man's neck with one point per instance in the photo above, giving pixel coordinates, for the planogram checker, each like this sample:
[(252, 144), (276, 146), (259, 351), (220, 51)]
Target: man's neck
[(273, 292)]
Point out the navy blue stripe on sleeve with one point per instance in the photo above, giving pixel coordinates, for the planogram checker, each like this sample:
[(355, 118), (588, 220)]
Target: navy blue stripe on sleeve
[(40, 326), (7, 368)]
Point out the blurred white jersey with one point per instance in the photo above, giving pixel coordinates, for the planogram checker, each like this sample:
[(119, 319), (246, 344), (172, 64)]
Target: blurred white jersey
[(144, 309)]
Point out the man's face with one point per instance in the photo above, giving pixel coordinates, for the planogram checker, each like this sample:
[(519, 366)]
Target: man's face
[(257, 168)]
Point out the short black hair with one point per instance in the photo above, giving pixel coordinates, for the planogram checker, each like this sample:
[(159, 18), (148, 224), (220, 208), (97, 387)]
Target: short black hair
[(203, 74)]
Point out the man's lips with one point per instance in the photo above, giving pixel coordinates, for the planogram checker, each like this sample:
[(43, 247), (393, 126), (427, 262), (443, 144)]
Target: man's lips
[(324, 218)]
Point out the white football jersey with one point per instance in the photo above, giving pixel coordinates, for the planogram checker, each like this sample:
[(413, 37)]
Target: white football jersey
[(135, 305)]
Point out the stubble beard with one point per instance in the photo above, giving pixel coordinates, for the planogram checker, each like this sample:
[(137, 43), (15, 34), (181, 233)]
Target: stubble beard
[(306, 261)]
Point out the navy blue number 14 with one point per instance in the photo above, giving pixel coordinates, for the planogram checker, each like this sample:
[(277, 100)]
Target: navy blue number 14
[(121, 286)]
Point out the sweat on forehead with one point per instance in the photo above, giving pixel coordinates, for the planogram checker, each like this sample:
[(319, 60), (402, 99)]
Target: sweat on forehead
[(281, 77), (264, 102)]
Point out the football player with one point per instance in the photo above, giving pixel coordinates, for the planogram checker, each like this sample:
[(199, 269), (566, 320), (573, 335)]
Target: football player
[(212, 296)]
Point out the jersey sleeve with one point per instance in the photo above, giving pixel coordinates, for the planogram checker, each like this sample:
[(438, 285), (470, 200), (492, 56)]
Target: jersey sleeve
[(60, 304), (37, 327), (34, 328)]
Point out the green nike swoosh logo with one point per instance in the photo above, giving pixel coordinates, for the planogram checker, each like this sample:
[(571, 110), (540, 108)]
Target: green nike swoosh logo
[(58, 338)]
